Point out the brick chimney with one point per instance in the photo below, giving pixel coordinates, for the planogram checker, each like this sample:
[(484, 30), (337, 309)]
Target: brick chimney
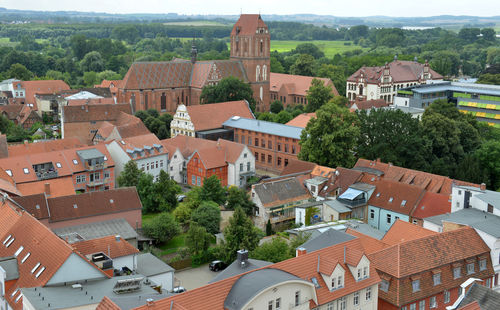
[(482, 186), (47, 189), (300, 251)]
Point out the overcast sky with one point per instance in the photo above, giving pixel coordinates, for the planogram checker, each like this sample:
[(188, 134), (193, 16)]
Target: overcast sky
[(323, 7)]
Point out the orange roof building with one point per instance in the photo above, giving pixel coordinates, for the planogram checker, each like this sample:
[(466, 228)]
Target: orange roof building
[(292, 89), (301, 120)]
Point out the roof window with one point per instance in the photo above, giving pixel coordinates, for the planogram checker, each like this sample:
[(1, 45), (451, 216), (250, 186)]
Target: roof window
[(75, 206), (14, 292), (10, 242), (25, 257), (19, 297), (7, 239), (403, 203), (105, 157), (111, 201), (35, 268), (21, 248), (9, 172), (122, 142), (391, 199), (39, 272), (75, 161), (26, 170), (37, 207), (58, 165)]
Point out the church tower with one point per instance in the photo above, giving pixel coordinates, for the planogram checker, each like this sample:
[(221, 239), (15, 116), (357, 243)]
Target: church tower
[(251, 45)]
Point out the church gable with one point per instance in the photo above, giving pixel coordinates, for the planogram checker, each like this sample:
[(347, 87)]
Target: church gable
[(154, 75)]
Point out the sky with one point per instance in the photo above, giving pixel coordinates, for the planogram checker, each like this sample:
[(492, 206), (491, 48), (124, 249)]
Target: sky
[(407, 8)]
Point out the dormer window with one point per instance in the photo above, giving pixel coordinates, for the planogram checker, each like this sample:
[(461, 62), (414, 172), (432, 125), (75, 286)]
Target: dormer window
[(391, 199), (9, 172), (365, 272), (415, 285), (403, 203), (75, 162), (340, 282), (26, 170), (384, 285), (58, 165), (482, 264)]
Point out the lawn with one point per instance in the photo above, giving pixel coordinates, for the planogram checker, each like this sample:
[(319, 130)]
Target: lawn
[(173, 245), (6, 42), (330, 48)]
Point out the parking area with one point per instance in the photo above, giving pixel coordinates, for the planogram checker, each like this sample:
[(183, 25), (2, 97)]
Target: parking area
[(194, 277)]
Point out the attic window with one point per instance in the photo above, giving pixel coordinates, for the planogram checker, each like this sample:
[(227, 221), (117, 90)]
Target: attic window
[(7, 239), (10, 242), (26, 171), (9, 172), (37, 207), (105, 158), (21, 248), (75, 161), (39, 272), (122, 142), (58, 165), (35, 268), (75, 206), (378, 194), (25, 257), (391, 199), (403, 203), (14, 293), (373, 179), (111, 201), (19, 297)]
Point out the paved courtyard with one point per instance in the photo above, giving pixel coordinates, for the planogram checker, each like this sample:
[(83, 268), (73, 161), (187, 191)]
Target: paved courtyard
[(194, 277)]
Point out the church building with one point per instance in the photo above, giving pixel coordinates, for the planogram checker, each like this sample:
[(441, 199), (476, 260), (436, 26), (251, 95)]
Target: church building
[(165, 85)]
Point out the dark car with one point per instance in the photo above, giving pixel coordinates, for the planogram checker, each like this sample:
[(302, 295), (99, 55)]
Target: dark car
[(217, 265)]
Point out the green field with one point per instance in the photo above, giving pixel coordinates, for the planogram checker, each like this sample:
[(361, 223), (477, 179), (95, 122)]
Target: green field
[(198, 23), (330, 48)]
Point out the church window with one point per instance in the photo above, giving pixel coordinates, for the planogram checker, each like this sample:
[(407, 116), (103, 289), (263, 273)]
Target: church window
[(264, 73), (261, 93), (261, 47), (163, 101), (257, 73)]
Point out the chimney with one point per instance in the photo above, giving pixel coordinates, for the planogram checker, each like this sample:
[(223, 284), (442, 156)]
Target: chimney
[(150, 302), (482, 187), (25, 142), (47, 189), (300, 251), (117, 237), (242, 257)]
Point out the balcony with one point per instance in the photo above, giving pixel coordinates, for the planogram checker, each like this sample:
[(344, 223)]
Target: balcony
[(282, 218), (353, 203), (44, 175), (97, 182), (96, 166)]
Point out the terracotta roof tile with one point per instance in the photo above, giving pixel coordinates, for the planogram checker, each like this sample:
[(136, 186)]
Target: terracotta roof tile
[(247, 24), (33, 88), (211, 116), (94, 112), (80, 102), (432, 204), (149, 75), (107, 304), (35, 204), (141, 142), (186, 145), (297, 166), (400, 70), (359, 104), (402, 231), (205, 71), (58, 187), (370, 244), (301, 120), (109, 245), (44, 146), (296, 84)]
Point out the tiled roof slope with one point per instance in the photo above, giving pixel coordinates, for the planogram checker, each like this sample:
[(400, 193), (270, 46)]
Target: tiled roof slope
[(415, 256), (431, 182), (400, 70), (301, 120), (432, 204), (247, 24), (146, 75), (402, 231), (94, 112), (370, 244), (211, 116), (107, 304), (394, 196), (44, 146), (11, 111), (280, 192), (113, 246), (296, 84), (473, 306), (204, 71), (33, 88), (212, 296), (186, 145), (368, 104)]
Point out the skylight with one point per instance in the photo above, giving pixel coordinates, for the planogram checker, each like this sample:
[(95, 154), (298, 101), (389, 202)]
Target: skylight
[(75, 161), (122, 142), (7, 239), (39, 272), (14, 293), (391, 199), (105, 157), (38, 207), (378, 194), (403, 203), (75, 206), (26, 171), (19, 297), (25, 257), (19, 251), (35, 268), (58, 165), (10, 242), (9, 172)]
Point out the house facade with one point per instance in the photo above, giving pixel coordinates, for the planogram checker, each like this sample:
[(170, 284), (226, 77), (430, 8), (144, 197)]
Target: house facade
[(383, 82), (272, 144), (21, 114)]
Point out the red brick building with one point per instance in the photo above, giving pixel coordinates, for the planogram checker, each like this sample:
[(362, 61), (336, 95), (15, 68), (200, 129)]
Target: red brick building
[(426, 270), (272, 144), (169, 84), (206, 163), (292, 89)]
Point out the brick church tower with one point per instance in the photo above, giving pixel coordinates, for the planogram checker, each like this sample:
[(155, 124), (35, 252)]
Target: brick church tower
[(250, 44)]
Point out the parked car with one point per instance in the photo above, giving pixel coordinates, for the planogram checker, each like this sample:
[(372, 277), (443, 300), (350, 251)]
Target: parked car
[(178, 290), (217, 265)]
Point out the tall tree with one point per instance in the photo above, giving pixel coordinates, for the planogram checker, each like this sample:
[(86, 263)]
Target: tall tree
[(239, 234), (228, 89), (330, 138), (197, 239), (165, 192), (317, 95), (207, 215), (162, 227), (304, 65), (212, 190), (130, 175), (274, 251), (238, 197)]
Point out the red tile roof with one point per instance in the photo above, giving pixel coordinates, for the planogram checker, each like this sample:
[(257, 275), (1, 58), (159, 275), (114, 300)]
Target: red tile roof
[(33, 88), (107, 304), (370, 244), (296, 84), (204, 71), (149, 75), (400, 70), (212, 296), (80, 102), (140, 142), (58, 187), (186, 145), (301, 120), (212, 116), (472, 306), (359, 104), (432, 204), (248, 24), (108, 245), (44, 146), (414, 256), (94, 112), (113, 85), (402, 231), (297, 166)]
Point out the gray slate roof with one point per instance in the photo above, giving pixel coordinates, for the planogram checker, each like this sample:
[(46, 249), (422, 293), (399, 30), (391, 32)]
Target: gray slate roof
[(236, 269), (149, 265), (279, 190), (250, 284), (265, 127), (326, 239), (9, 264), (337, 206), (64, 296), (491, 197), (99, 229), (89, 154), (126, 302), (487, 298), (474, 218), (365, 229)]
